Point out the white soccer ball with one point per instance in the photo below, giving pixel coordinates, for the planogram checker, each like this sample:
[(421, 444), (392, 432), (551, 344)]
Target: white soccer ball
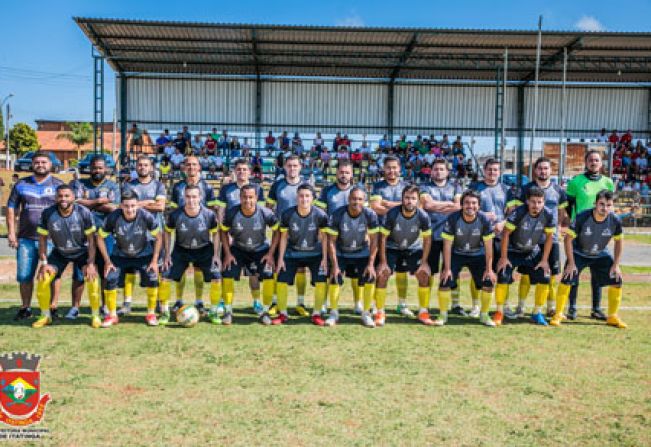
[(187, 316)]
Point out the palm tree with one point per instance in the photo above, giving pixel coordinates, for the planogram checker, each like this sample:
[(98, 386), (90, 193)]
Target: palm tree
[(79, 134)]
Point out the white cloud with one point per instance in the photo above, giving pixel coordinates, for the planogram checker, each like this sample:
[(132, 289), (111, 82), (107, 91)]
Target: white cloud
[(351, 20), (589, 23)]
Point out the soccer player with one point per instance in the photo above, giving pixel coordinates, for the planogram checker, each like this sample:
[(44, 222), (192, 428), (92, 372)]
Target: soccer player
[(151, 197), (132, 229), (440, 197), (402, 250), (28, 198), (581, 193), (245, 245), (101, 196), (467, 242), (70, 227), (586, 245), (229, 196), (196, 241), (303, 243), (556, 202), (352, 242), (524, 229), (385, 195)]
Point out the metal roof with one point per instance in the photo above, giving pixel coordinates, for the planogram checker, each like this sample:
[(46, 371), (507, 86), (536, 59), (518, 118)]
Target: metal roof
[(139, 46)]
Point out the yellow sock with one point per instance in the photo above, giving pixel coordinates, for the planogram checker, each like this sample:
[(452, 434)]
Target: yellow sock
[(401, 285), (552, 289), (129, 283), (474, 292), (357, 290), (501, 294), (228, 289), (301, 284), (255, 294), (268, 286), (423, 298), (614, 300), (444, 302), (152, 296), (164, 294), (369, 295), (319, 296), (93, 295), (111, 299), (541, 293), (43, 294), (333, 291), (524, 287), (380, 298), (562, 295), (281, 295), (198, 285), (215, 292), (485, 301), (180, 287)]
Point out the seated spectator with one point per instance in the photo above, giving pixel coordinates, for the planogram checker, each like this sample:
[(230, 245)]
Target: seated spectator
[(215, 135), (197, 145), (373, 171), (217, 162), (210, 145), (342, 153), (345, 141), (337, 142), (235, 148), (384, 142), (613, 138), (177, 159), (161, 143), (318, 142), (257, 173), (365, 150), (457, 147), (627, 138), (179, 143), (644, 190), (256, 160), (445, 143), (204, 161), (425, 172), (224, 142), (420, 145), (602, 137), (284, 142), (297, 144), (325, 156), (356, 158), (270, 143), (402, 143), (165, 168)]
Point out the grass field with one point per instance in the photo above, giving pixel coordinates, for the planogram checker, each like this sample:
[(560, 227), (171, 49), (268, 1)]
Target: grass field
[(404, 384)]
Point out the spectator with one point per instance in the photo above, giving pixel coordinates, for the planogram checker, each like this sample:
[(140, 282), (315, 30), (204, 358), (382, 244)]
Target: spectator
[(365, 150), (385, 143), (177, 159), (325, 156), (337, 142), (356, 158), (217, 162), (644, 190), (197, 145), (256, 160), (613, 138), (627, 138), (602, 137), (235, 148), (187, 136), (270, 143), (215, 135), (457, 147), (136, 138), (373, 171), (318, 142), (161, 143), (224, 143), (165, 169), (210, 145), (345, 141), (342, 153), (284, 142), (297, 144), (179, 143)]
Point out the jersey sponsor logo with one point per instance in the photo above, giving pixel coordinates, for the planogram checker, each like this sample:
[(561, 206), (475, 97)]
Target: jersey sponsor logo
[(294, 226), (607, 232), (466, 247), (183, 227), (397, 227), (249, 241), (459, 232), (311, 227), (193, 243), (304, 243), (201, 226), (587, 231), (403, 244), (476, 232), (595, 249), (539, 226), (413, 230), (56, 226), (345, 227)]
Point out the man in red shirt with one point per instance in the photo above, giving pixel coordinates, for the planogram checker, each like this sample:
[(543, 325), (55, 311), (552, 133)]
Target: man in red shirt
[(613, 138), (627, 138)]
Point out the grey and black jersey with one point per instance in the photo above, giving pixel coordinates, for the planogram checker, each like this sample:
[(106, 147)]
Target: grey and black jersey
[(445, 193), (382, 190), (493, 199), (177, 199), (333, 198), (468, 238), (527, 231), (404, 233), (132, 237), (351, 231), (591, 238), (555, 199), (229, 195), (153, 190), (86, 189), (68, 233), (249, 233), (191, 232), (303, 231), (283, 195)]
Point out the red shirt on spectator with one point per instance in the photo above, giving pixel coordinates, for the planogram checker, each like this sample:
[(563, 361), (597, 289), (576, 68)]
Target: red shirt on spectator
[(356, 157), (270, 140), (627, 138), (210, 144), (613, 138)]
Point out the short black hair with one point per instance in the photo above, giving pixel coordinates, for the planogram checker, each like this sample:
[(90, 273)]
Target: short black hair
[(128, 195), (409, 189), (64, 186), (344, 163), (97, 158), (541, 160), (248, 187), (40, 154), (441, 161), (390, 158), (604, 194), (191, 188), (470, 193), (535, 191), (491, 161), (590, 152), (305, 186), (357, 188), (241, 161)]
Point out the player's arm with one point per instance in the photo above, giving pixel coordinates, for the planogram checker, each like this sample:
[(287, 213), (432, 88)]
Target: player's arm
[(228, 256), (488, 250), (282, 248), (373, 236), (11, 227), (570, 266), (167, 242), (381, 250), (427, 245), (446, 272), (44, 268), (323, 237), (504, 247), (332, 251), (438, 206)]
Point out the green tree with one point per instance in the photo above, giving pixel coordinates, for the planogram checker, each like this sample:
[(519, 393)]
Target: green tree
[(22, 138), (79, 134)]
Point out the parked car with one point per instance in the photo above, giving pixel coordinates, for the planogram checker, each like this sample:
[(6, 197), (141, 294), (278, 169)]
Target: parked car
[(512, 180), (24, 163), (84, 164)]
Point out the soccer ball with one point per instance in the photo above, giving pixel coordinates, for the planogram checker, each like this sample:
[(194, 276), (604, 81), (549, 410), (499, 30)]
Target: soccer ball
[(187, 316)]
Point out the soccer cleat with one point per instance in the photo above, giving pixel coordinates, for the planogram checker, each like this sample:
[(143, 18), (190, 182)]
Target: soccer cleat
[(23, 312), (151, 320), (486, 321), (177, 305), (201, 308), (424, 318), (614, 321), (220, 308), (539, 318), (475, 312), (109, 321), (551, 312), (257, 307), (301, 310), (124, 310), (227, 319), (458, 310), (332, 319), (265, 319), (164, 319), (42, 322), (509, 313), (597, 314), (556, 320), (367, 320), (273, 310), (103, 312), (358, 308), (280, 319), (380, 318), (213, 317), (571, 314), (498, 318), (519, 312), (95, 322), (54, 313), (439, 322), (403, 310), (72, 314), (317, 320)]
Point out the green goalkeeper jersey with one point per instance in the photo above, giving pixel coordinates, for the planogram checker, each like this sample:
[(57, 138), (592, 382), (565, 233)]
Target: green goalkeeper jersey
[(584, 191)]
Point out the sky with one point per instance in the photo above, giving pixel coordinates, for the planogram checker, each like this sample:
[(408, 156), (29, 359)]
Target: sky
[(45, 59)]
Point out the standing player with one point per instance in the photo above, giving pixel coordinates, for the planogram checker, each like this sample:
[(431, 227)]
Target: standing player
[(244, 242), (71, 228), (586, 245), (28, 198), (582, 191), (196, 241), (385, 195), (353, 231), (467, 242), (132, 229), (229, 196), (525, 228), (402, 250), (440, 197), (303, 243)]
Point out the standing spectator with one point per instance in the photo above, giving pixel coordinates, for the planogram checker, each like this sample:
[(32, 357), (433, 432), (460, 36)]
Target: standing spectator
[(345, 141), (224, 143), (356, 158), (385, 143), (284, 142), (215, 135), (270, 143), (187, 136), (136, 138), (325, 156), (235, 148), (318, 142), (337, 142), (602, 137), (297, 144)]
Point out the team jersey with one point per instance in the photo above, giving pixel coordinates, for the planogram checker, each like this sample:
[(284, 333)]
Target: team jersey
[(229, 195), (86, 189), (32, 198), (584, 190), (132, 237), (303, 231), (555, 199), (591, 237), (351, 231), (528, 231), (332, 198), (404, 233), (68, 233), (191, 232), (177, 199), (153, 190), (283, 195), (468, 238), (446, 193), (249, 232), (382, 190)]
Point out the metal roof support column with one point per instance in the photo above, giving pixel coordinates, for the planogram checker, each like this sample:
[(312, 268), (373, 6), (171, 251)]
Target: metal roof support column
[(563, 144), (123, 117), (390, 103), (258, 111), (535, 98), (520, 148), (648, 126)]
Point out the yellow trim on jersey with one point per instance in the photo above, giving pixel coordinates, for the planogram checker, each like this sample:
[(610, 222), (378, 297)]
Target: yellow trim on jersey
[(275, 227), (168, 229), (374, 198), (550, 230), (423, 193), (42, 231), (447, 237), (373, 230), (102, 233), (571, 233), (514, 202), (213, 203), (90, 230), (157, 198), (220, 204), (618, 237), (331, 231), (283, 229), (509, 226), (425, 234), (155, 231), (385, 231), (488, 237), (320, 204), (213, 230), (562, 205), (173, 204), (261, 203), (224, 227), (271, 201)]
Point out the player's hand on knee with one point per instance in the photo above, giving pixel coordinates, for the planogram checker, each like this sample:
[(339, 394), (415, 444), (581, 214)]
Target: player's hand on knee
[(334, 274), (503, 263), (167, 263), (228, 261), (570, 271), (217, 263), (369, 272), (489, 275), (446, 275), (108, 269), (90, 272), (281, 266), (616, 272), (268, 261), (544, 265), (423, 270), (153, 267)]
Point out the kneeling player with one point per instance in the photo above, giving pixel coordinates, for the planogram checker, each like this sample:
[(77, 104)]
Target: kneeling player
[(586, 245), (350, 227), (131, 227), (402, 250), (467, 242), (71, 228), (246, 224), (525, 228), (196, 241)]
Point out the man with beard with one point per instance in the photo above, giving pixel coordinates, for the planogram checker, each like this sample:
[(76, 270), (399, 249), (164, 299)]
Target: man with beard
[(71, 228)]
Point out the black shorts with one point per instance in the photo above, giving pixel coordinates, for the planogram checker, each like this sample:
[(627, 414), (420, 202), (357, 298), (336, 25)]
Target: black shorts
[(292, 264), (353, 267), (201, 258), (250, 262), (525, 264), (60, 262), (475, 263), (435, 255), (404, 260), (554, 260), (115, 279), (599, 269)]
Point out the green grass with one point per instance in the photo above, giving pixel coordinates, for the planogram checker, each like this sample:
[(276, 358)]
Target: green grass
[(641, 238), (636, 269), (404, 384)]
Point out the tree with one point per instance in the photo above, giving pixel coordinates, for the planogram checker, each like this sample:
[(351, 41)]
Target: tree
[(22, 138), (79, 134)]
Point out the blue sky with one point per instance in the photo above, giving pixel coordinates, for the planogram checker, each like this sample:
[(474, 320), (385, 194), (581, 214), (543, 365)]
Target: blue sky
[(45, 59)]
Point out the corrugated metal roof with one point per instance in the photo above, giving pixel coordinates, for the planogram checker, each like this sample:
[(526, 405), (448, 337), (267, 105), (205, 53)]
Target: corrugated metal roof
[(137, 46)]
